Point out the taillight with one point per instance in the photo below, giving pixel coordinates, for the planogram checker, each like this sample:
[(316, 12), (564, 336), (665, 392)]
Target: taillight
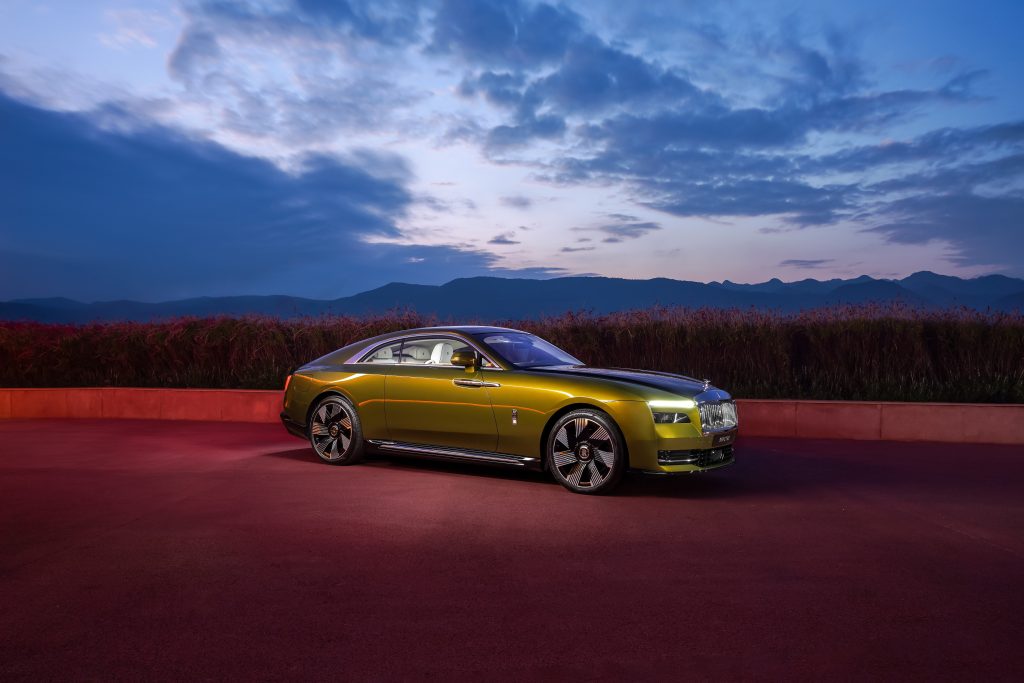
[(287, 381)]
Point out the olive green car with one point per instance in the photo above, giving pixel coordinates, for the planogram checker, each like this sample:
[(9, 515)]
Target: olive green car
[(498, 396)]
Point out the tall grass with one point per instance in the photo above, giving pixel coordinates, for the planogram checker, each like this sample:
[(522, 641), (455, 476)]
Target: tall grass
[(849, 353)]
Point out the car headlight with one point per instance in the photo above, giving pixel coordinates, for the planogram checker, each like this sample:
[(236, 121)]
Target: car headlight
[(670, 412)]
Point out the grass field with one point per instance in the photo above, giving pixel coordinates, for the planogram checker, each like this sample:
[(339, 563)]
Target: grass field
[(859, 353)]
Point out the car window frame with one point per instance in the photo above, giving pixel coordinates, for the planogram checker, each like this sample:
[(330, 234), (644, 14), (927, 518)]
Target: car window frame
[(363, 357)]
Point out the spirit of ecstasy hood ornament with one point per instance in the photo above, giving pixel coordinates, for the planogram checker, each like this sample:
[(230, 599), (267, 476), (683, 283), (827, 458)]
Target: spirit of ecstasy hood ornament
[(707, 384)]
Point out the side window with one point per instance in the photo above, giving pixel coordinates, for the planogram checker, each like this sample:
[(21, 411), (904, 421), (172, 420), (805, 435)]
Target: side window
[(431, 350), (384, 355), (434, 351), (420, 351)]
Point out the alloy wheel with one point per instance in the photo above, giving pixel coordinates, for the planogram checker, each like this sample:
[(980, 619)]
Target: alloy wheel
[(331, 429), (583, 453)]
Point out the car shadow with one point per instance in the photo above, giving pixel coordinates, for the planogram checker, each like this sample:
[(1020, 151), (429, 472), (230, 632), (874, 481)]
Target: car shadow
[(412, 462), (779, 468), (742, 479), (304, 454)]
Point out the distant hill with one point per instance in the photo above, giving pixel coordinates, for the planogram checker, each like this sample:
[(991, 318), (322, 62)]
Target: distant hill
[(492, 298)]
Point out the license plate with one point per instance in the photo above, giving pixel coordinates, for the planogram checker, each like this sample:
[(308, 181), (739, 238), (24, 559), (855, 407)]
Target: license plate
[(723, 440)]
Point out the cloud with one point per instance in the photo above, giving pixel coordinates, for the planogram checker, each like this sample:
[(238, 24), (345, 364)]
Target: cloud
[(387, 22), (515, 42), (197, 48), (806, 263), (525, 132), (981, 229), (517, 202), (752, 161), (332, 67), (503, 239), (594, 76), (623, 227), (570, 250), (504, 32), (943, 147), (690, 151), (144, 212), (500, 89), (133, 28)]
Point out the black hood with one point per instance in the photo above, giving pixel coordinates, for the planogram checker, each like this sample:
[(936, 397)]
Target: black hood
[(674, 384)]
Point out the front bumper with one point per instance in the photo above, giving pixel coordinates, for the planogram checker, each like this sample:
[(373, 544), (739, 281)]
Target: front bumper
[(682, 455), (670, 448), (698, 460)]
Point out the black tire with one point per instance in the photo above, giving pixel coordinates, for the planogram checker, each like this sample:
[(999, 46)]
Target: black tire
[(593, 464), (335, 432)]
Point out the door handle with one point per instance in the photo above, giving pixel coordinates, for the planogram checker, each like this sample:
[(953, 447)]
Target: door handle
[(473, 383)]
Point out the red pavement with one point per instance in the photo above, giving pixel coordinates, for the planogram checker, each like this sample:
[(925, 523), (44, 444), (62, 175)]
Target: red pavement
[(159, 550)]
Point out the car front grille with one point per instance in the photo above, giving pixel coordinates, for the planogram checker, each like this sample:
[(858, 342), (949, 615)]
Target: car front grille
[(718, 416)]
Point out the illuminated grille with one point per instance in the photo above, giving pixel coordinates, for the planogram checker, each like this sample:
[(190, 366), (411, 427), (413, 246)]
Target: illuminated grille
[(717, 416)]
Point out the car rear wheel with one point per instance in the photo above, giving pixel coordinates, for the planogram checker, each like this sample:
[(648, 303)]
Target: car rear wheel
[(335, 432), (585, 452)]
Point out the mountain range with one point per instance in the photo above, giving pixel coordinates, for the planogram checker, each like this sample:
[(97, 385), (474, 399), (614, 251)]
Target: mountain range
[(492, 298)]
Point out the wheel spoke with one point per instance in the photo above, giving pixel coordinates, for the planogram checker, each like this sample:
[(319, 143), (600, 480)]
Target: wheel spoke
[(344, 441), (595, 475), (346, 423), (322, 413), (334, 449), (562, 439), (319, 429), (607, 458), (564, 458), (600, 434), (575, 474), (581, 425)]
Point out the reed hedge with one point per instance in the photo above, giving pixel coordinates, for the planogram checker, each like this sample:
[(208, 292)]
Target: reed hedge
[(846, 353)]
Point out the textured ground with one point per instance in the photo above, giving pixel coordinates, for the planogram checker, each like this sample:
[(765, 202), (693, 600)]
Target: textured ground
[(133, 549)]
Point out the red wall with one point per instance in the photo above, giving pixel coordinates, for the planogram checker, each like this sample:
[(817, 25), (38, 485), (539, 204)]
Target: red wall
[(948, 422), (159, 404)]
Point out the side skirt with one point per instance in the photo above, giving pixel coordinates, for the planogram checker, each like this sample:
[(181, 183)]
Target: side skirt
[(457, 454)]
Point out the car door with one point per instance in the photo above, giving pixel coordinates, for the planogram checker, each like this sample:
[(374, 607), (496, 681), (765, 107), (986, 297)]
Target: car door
[(429, 401)]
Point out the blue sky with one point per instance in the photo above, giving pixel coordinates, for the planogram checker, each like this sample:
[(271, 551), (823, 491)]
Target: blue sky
[(156, 150)]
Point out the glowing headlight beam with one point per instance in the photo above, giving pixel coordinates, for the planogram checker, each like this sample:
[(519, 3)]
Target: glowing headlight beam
[(685, 404)]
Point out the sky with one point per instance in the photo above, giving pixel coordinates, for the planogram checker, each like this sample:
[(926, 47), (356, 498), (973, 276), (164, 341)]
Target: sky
[(155, 150)]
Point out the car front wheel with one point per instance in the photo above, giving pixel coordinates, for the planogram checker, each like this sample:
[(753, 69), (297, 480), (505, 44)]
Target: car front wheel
[(335, 432), (585, 452)]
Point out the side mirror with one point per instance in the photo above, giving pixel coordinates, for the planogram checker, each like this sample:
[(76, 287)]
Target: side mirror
[(466, 359)]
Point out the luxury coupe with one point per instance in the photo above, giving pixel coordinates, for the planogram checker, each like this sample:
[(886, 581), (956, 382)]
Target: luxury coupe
[(499, 396)]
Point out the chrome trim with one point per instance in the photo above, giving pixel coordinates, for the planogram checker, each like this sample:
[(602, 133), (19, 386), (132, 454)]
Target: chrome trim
[(718, 416), (712, 395), (473, 383), (663, 473), (452, 453), (667, 458), (368, 350)]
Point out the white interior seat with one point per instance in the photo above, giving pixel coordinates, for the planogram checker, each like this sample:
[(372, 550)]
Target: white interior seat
[(441, 354), (416, 354)]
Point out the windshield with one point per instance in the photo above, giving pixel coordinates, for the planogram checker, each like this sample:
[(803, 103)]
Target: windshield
[(527, 351)]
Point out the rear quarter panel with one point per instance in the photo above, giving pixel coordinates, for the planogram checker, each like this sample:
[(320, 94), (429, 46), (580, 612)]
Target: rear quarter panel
[(362, 384)]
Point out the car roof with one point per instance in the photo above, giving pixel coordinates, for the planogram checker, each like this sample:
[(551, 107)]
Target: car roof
[(464, 329)]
